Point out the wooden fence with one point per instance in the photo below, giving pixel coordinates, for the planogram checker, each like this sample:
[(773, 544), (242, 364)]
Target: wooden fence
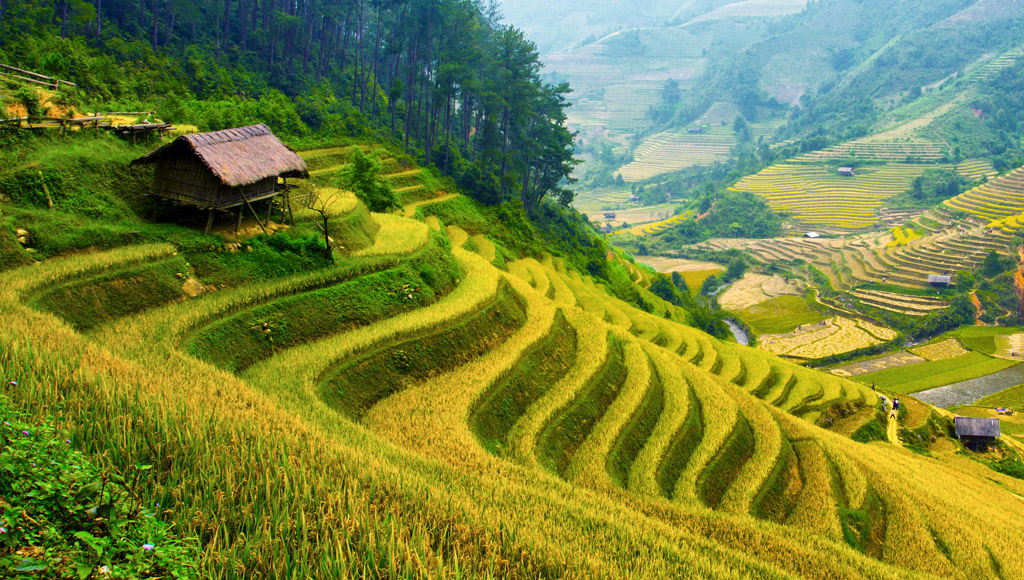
[(31, 77)]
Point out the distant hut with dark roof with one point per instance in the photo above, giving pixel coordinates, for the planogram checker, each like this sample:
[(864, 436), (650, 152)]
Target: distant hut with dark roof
[(976, 433), (223, 169)]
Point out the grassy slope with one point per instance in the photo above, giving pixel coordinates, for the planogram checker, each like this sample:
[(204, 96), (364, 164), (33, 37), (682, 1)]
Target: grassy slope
[(410, 491), (779, 315)]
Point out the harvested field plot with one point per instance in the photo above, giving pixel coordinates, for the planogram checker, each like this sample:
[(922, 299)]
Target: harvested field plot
[(1010, 347), (890, 361), (833, 336), (948, 348), (693, 272), (970, 391), (754, 289)]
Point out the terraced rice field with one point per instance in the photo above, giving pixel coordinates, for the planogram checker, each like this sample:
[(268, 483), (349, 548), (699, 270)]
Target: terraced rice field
[(976, 169), (871, 150), (413, 410), (834, 336), (655, 227), (817, 196), (985, 10), (670, 151), (901, 303), (998, 199), (852, 261), (903, 237), (753, 8)]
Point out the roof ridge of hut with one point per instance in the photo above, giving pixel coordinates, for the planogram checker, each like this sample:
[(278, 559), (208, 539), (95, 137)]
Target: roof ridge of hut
[(239, 156)]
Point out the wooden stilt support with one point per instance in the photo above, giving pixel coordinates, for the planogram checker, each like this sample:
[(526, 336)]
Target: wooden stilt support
[(288, 202), (209, 223), (238, 223), (270, 208), (254, 214)]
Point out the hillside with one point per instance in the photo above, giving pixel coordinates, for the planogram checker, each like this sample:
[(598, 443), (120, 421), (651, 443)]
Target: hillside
[(438, 400)]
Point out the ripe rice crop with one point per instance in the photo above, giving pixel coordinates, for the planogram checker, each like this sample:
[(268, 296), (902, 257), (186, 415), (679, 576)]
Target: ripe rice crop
[(411, 492), (588, 466), (812, 193), (948, 348)]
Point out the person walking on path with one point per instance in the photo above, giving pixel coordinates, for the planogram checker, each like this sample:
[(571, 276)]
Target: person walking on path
[(895, 409), (873, 386)]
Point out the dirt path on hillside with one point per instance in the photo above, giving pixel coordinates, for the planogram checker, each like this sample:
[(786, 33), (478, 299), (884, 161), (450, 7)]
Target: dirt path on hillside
[(892, 431)]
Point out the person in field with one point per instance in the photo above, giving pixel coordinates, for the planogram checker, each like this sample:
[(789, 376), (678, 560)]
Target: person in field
[(895, 408)]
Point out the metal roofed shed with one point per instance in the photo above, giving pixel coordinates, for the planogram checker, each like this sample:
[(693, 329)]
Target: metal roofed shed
[(812, 235), (976, 433), (223, 169), (940, 280), (846, 171)]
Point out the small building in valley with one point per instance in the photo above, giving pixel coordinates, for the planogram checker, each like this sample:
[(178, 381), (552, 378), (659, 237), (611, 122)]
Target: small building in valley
[(937, 280), (609, 215), (846, 172), (976, 433), (223, 169), (812, 235)]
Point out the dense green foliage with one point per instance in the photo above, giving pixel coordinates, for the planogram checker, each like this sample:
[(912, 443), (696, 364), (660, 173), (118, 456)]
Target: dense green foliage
[(729, 214), (78, 518), (447, 79), (932, 187), (363, 177)]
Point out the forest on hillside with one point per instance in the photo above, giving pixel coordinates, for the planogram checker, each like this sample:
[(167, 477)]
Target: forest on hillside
[(446, 79)]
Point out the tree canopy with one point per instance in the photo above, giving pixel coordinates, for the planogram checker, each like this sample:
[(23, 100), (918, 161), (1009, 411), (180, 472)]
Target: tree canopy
[(446, 78)]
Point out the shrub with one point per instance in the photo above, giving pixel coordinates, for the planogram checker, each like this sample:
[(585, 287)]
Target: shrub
[(363, 177), (76, 516)]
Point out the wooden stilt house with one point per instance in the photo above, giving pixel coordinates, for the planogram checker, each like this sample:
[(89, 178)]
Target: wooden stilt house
[(977, 433), (223, 169)]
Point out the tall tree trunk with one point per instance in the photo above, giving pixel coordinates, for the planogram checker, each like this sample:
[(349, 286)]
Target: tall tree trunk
[(505, 123), (243, 15), (408, 96), (99, 18), (360, 60), (323, 46), (227, 22), (64, 20), (170, 27), (309, 45), (376, 54), (448, 128), (344, 38), (156, 29)]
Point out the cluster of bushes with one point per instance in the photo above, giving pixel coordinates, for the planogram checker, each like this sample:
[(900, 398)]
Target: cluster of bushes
[(64, 516)]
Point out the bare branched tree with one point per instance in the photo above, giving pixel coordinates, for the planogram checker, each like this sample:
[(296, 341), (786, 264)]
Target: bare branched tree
[(321, 203)]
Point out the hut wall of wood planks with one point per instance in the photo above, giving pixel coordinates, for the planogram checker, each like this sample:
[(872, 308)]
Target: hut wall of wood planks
[(223, 169)]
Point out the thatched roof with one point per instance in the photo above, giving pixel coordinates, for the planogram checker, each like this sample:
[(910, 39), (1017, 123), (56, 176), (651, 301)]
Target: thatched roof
[(976, 427), (239, 156)]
